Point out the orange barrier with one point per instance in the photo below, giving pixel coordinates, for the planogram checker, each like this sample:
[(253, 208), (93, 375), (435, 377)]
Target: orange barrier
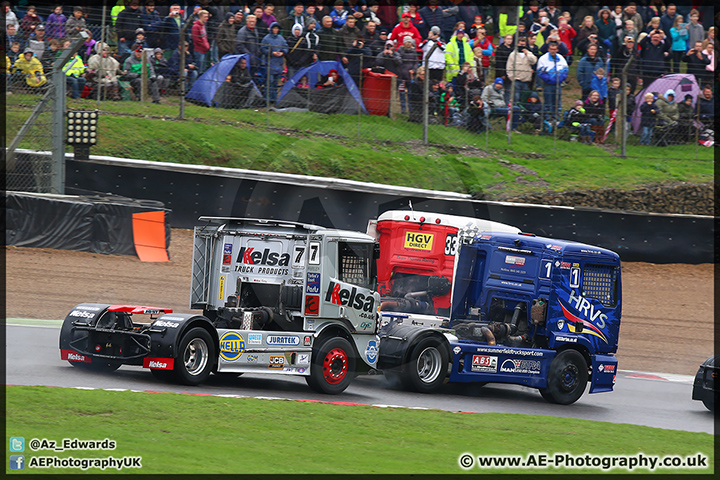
[(149, 236)]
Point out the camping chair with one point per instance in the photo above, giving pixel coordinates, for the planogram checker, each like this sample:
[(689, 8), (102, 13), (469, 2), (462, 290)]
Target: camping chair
[(663, 135)]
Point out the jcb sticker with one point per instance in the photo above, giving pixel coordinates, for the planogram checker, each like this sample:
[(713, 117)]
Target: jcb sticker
[(221, 292), (419, 241), (276, 361)]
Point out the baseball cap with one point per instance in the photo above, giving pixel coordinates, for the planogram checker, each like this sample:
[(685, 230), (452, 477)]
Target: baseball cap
[(499, 80), (406, 15), (40, 27)]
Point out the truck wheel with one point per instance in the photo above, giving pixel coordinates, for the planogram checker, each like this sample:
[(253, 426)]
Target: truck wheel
[(195, 357), (333, 366), (427, 367), (567, 378)]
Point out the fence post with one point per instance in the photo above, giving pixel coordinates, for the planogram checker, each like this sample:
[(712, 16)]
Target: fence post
[(512, 84), (426, 93), (181, 68), (623, 102), (143, 77), (102, 40), (360, 78)]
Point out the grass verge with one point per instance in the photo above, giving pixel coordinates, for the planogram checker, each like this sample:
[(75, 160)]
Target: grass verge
[(188, 434), (376, 149)]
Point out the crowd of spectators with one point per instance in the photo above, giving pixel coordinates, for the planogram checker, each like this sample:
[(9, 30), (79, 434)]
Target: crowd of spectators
[(476, 55)]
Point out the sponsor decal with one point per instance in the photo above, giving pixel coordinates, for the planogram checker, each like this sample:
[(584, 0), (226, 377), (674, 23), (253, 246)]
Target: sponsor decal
[(484, 363), (289, 370), (159, 363), (227, 254), (254, 338), (312, 305), (168, 317), (553, 247), (485, 237), (371, 351), (565, 265), (164, 323), (85, 307), (365, 326), (312, 284), (81, 314), (560, 324), (74, 356), (249, 256), (606, 368), (515, 365), (300, 370), (304, 359), (282, 340), (514, 260), (594, 252), (232, 346), (349, 297), (251, 358), (585, 308), (307, 341), (457, 350), (221, 290), (419, 241), (225, 269), (310, 324), (276, 361), (566, 339)]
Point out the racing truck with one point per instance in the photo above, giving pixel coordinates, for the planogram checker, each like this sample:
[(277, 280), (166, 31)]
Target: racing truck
[(524, 310), (276, 297)]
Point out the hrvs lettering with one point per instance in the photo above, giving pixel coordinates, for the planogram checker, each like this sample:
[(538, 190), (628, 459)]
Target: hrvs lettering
[(249, 256), (349, 298)]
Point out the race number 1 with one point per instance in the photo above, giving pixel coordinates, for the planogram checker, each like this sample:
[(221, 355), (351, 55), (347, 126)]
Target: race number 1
[(546, 269), (575, 277)]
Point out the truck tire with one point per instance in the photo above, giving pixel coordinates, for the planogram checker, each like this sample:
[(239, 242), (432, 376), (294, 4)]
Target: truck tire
[(567, 378), (333, 366), (195, 357), (427, 366)]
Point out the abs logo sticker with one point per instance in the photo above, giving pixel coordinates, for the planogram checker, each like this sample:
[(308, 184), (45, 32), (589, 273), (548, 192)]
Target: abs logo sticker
[(312, 305), (371, 351), (227, 254), (419, 241), (484, 363), (232, 346), (512, 365)]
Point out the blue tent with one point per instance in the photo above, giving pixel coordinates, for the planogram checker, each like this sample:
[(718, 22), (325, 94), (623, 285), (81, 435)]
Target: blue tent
[(205, 88), (314, 71)]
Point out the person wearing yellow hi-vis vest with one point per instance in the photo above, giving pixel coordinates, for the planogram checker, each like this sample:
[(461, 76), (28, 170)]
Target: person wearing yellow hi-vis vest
[(115, 11), (31, 67), (75, 73), (457, 52)]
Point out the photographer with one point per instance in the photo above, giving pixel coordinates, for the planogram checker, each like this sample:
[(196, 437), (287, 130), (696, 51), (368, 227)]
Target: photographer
[(357, 57), (697, 61), (389, 59)]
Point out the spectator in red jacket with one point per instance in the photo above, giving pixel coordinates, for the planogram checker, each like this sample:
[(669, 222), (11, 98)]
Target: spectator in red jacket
[(567, 34), (405, 29), (201, 45)]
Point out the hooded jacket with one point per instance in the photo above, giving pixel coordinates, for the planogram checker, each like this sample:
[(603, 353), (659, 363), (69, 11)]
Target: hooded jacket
[(493, 97), (226, 35), (301, 47), (32, 69), (272, 43), (667, 109), (105, 68), (200, 37)]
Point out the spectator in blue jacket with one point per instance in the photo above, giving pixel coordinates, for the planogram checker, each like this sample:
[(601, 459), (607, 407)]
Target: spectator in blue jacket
[(152, 22), (552, 69), (586, 66), (599, 83), (339, 15), (170, 29), (274, 47), (679, 37)]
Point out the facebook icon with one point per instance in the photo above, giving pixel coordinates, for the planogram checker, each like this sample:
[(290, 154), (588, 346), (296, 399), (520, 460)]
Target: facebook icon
[(17, 462)]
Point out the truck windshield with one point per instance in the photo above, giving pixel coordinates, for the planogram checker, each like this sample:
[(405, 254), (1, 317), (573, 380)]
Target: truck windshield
[(355, 262)]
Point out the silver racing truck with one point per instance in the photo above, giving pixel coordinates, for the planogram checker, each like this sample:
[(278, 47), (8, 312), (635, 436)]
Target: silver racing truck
[(276, 297)]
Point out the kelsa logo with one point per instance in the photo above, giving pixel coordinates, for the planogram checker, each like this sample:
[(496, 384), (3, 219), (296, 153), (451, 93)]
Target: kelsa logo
[(232, 346), (585, 308), (249, 256), (349, 298)]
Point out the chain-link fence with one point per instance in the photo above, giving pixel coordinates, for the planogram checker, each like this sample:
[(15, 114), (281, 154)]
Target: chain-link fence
[(341, 82)]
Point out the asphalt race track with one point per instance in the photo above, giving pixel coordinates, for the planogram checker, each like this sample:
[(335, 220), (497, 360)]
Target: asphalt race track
[(639, 401)]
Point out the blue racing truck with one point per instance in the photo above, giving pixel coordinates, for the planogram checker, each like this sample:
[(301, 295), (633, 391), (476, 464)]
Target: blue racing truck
[(525, 310)]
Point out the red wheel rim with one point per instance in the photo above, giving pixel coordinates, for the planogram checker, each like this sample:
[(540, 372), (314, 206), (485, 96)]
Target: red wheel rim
[(335, 366)]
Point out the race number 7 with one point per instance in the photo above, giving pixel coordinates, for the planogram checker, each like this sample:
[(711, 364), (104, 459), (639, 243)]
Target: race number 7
[(314, 253), (297, 258)]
